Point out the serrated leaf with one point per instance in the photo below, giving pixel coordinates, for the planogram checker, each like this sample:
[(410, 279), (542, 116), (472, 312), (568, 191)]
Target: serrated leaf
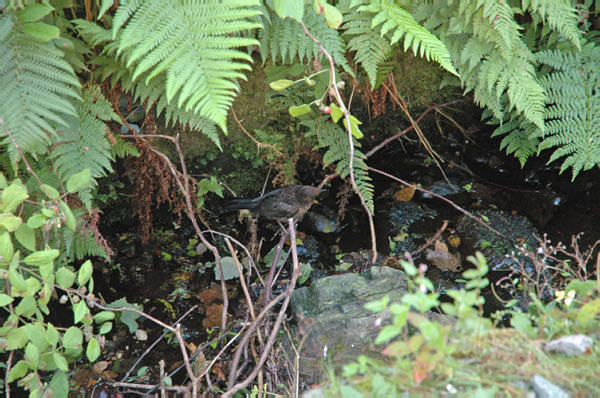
[(41, 31), (5, 299), (79, 181), (19, 370), (17, 338), (73, 338), (51, 192), (85, 272), (26, 237), (93, 350), (34, 12), (387, 333), (80, 310), (36, 220), (6, 249), (60, 361), (106, 327), (104, 316), (9, 222), (59, 385), (51, 335), (282, 84), (32, 353), (65, 277), (26, 307), (299, 110), (13, 196), (41, 257), (70, 221)]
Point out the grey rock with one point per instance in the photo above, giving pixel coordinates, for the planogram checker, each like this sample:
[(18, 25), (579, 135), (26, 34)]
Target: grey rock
[(545, 389)]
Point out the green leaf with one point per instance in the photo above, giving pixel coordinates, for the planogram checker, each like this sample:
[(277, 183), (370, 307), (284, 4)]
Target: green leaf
[(60, 361), (378, 305), (85, 272), (17, 338), (13, 196), (282, 84), (3, 183), (588, 311), (354, 122), (26, 237), (36, 220), (26, 307), (41, 31), (387, 333), (299, 110), (73, 338), (522, 324), (52, 335), (65, 277), (33, 354), (34, 12), (5, 299), (50, 191), (6, 249), (230, 271), (104, 316), (80, 310), (18, 284), (36, 333), (127, 317), (41, 257), (105, 5), (10, 222), (333, 16), (79, 181), (336, 112), (106, 327), (289, 8), (19, 370), (93, 350), (59, 385)]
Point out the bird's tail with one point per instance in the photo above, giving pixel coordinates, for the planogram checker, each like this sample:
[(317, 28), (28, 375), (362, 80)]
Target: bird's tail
[(238, 204)]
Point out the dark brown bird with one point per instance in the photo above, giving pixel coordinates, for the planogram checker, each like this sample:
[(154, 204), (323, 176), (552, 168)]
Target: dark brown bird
[(281, 204)]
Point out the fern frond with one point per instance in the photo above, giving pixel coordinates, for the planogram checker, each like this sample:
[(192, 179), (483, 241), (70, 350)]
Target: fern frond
[(83, 144), (573, 115), (371, 48), (397, 20), (37, 88), (285, 39), (335, 140), (194, 44), (561, 16), (521, 138)]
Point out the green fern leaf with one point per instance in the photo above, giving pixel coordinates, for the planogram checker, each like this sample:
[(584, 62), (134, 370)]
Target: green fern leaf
[(371, 48), (573, 115), (37, 89), (397, 20), (194, 44)]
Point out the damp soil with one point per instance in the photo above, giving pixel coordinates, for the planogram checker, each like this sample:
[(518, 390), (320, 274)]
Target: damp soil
[(167, 274)]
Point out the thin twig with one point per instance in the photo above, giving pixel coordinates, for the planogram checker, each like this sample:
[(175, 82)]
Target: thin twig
[(288, 295)]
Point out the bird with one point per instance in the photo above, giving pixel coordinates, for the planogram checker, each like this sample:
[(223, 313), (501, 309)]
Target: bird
[(281, 204)]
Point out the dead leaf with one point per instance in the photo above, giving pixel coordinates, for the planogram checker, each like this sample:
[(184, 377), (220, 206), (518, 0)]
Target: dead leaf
[(405, 194), (213, 316), (441, 258), (454, 240)]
